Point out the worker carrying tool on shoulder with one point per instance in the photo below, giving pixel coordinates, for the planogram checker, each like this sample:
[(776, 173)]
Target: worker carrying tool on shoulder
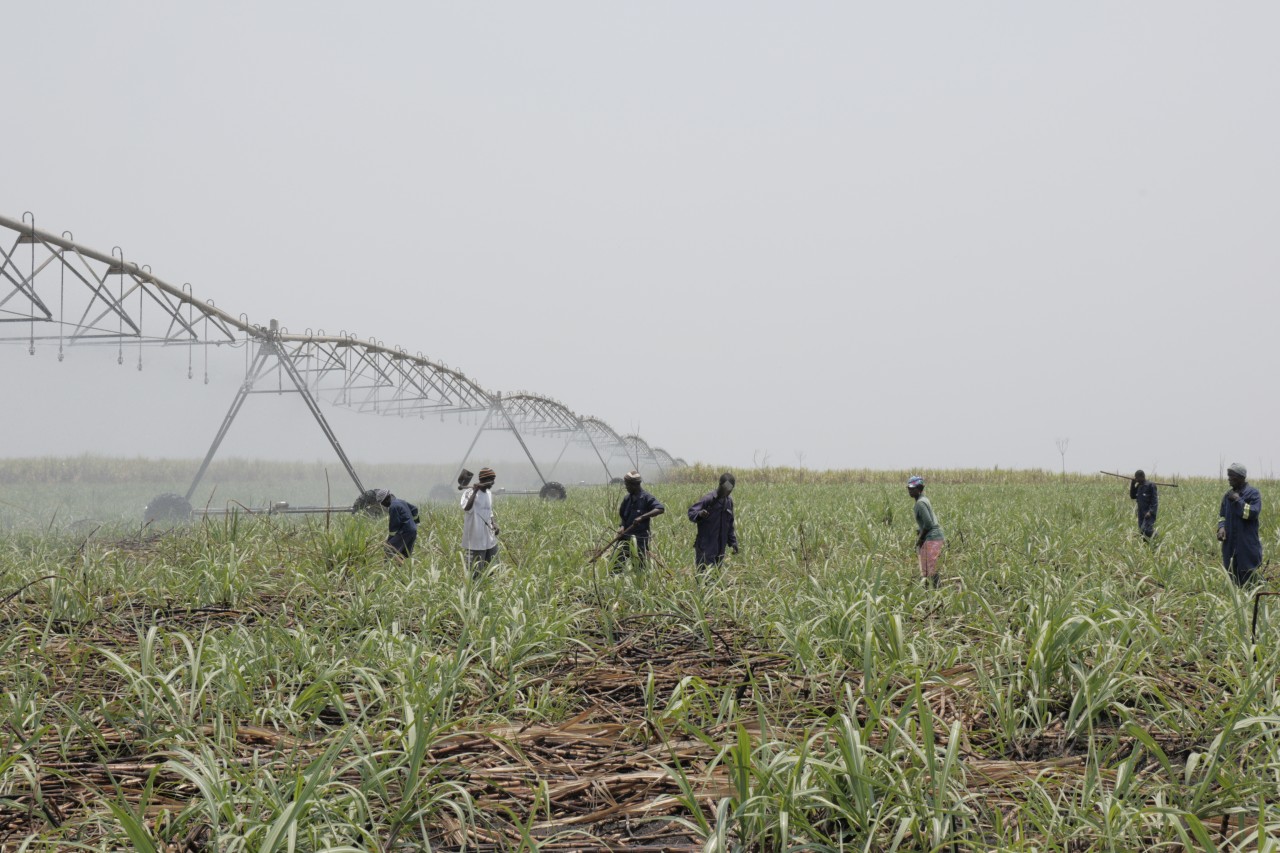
[(479, 525), (1143, 491)]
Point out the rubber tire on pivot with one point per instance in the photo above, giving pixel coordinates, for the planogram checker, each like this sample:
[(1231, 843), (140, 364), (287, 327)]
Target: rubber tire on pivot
[(368, 504), (553, 491), (167, 507), (442, 493)]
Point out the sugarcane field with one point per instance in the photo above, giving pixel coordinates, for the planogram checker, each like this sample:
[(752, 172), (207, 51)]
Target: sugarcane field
[(258, 682), (705, 427)]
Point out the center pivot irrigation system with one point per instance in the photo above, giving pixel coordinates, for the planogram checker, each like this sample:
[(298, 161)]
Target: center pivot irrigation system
[(54, 291)]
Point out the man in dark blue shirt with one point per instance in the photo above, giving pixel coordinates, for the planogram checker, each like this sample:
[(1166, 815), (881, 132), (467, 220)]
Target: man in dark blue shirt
[(1144, 493), (713, 513), (635, 511), (402, 524), (1238, 527)]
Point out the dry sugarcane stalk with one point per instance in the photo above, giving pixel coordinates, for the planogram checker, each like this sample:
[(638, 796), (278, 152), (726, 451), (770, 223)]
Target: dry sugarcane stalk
[(615, 540)]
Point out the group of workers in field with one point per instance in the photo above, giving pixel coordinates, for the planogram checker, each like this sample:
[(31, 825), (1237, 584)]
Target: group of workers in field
[(1237, 524), (1237, 520), (713, 514)]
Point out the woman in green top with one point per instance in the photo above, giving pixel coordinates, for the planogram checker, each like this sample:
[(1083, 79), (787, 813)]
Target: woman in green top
[(929, 540)]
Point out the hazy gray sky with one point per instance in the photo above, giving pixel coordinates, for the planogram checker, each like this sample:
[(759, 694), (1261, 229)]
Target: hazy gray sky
[(883, 235)]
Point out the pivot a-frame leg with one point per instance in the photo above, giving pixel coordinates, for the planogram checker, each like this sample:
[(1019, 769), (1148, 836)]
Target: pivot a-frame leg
[(511, 425), (266, 350), (498, 409), (484, 423), (608, 476)]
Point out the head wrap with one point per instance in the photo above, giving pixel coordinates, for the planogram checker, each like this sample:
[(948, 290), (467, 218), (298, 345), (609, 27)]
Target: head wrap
[(1237, 468), (632, 477), (726, 477), (381, 495), (487, 474), (916, 482)]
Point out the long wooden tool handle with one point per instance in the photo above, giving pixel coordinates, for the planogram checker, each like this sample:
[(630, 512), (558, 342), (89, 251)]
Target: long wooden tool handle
[(1152, 482)]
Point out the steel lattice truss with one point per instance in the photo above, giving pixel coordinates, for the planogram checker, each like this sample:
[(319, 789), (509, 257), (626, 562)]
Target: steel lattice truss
[(370, 377), (642, 452), (540, 415), (54, 290), (531, 414), (607, 442)]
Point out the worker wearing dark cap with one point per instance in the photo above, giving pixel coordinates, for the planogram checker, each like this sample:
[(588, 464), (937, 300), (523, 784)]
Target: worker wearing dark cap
[(635, 511)]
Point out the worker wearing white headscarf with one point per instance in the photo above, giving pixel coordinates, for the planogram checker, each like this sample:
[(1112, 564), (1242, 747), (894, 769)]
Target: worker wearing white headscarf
[(1238, 526)]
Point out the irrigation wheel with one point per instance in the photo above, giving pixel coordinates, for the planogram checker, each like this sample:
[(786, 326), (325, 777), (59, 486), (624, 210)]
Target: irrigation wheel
[(368, 504), (553, 491), (167, 507)]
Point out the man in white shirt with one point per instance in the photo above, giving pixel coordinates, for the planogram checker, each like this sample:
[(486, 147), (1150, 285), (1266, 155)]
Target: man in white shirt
[(479, 526)]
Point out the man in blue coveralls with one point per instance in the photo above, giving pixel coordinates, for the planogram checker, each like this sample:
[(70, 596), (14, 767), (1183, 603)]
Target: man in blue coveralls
[(1238, 527), (635, 511), (1144, 493), (713, 513), (402, 524)]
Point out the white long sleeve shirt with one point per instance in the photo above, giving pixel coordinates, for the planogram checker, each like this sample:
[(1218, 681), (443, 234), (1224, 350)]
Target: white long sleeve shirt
[(477, 524)]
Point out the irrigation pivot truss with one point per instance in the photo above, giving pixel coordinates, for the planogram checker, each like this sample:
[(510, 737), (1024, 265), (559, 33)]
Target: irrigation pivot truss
[(525, 414), (643, 453), (54, 291), (604, 439), (665, 460)]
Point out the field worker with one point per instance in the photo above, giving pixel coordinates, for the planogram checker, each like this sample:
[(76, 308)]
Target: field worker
[(929, 539), (402, 524), (713, 513), (1148, 502), (635, 512), (479, 526), (1238, 526)]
